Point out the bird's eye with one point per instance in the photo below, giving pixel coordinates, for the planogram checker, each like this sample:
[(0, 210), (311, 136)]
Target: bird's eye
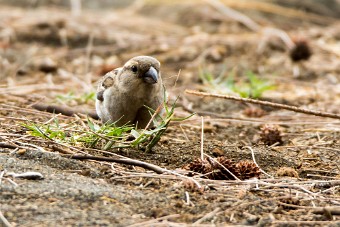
[(134, 68)]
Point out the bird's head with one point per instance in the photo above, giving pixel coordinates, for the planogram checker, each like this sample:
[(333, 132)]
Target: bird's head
[(145, 68)]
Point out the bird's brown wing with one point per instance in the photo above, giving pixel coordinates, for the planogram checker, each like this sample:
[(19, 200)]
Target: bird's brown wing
[(106, 82)]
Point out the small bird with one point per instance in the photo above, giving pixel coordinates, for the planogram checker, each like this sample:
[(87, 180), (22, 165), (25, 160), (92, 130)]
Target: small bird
[(124, 94)]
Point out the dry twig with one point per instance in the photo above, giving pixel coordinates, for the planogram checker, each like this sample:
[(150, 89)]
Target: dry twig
[(4, 220), (315, 210), (202, 139), (65, 110), (265, 103), (207, 216), (242, 18), (254, 160), (134, 162), (307, 223), (144, 165), (156, 220)]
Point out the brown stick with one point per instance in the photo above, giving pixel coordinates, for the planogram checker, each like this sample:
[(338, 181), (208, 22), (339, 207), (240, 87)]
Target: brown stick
[(315, 210), (308, 223), (144, 165), (266, 103), (6, 145), (64, 110)]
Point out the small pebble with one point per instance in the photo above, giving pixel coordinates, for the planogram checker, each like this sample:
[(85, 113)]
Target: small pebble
[(27, 175)]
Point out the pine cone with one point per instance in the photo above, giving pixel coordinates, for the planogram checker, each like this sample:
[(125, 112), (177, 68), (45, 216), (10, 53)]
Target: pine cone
[(247, 170), (254, 112), (199, 166), (190, 186), (220, 173), (287, 172), (301, 51), (212, 169), (270, 135)]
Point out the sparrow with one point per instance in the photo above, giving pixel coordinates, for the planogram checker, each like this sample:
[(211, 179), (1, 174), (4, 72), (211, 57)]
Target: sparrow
[(125, 94)]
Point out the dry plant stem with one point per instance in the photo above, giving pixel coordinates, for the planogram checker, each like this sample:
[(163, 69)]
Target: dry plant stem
[(12, 182), (87, 61), (281, 34), (134, 162), (207, 216), (32, 145), (320, 176), (2, 173), (61, 150), (177, 77), (220, 119), (6, 145), (251, 24), (185, 135), (144, 165), (65, 110), (263, 6), (202, 138), (28, 89), (154, 221), (265, 103), (4, 220), (24, 110), (290, 187), (233, 14), (307, 223), (239, 205), (187, 200), (315, 210), (254, 160), (76, 7), (225, 168), (153, 116)]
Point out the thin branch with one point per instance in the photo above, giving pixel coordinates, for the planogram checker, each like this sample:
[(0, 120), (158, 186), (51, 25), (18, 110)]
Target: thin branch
[(202, 138), (2, 173), (289, 186), (76, 7), (6, 145), (158, 110), (207, 216), (233, 14), (309, 223), (315, 210), (187, 198), (144, 165), (4, 220), (225, 168), (134, 162), (64, 110), (254, 160), (265, 103), (153, 221), (247, 204), (32, 145), (177, 77)]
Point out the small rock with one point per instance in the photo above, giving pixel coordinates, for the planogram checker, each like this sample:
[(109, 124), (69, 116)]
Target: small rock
[(217, 152), (47, 65), (287, 172), (27, 175)]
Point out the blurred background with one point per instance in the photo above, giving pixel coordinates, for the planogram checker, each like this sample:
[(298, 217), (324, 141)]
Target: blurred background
[(286, 50)]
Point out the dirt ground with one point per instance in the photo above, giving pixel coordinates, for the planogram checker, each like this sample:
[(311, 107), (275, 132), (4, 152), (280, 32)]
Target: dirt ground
[(49, 50)]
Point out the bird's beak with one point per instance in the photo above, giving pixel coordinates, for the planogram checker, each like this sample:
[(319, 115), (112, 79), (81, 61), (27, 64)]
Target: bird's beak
[(151, 76)]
